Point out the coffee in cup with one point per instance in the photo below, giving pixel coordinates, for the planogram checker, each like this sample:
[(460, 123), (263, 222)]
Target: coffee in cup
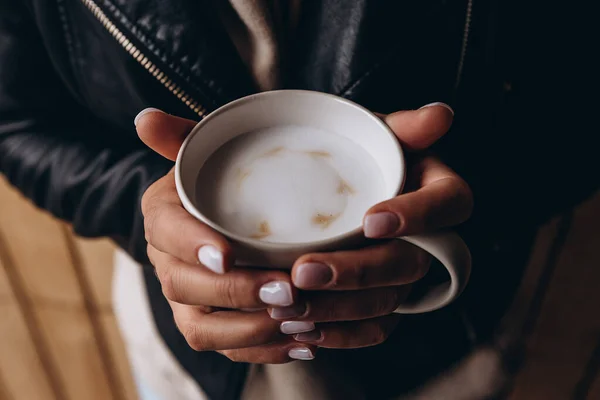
[(289, 184)]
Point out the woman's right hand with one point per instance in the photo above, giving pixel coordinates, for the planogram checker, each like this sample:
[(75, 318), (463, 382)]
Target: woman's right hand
[(195, 267)]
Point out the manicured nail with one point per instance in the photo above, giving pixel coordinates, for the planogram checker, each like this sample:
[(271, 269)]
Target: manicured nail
[(277, 293), (301, 353), (438, 104), (311, 336), (144, 112), (312, 275), (292, 327), (211, 258), (288, 312), (380, 224)]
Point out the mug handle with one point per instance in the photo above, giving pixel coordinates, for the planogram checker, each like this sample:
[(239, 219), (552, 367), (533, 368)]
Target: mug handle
[(454, 255)]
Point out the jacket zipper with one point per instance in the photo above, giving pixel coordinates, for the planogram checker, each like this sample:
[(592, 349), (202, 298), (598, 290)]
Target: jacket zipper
[(193, 104), (465, 43), (144, 61)]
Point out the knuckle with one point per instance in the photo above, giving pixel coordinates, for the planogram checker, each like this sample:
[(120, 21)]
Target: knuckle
[(151, 255), (166, 282), (170, 279), (163, 273), (385, 303), (197, 337), (463, 188), (147, 198), (179, 324), (151, 217), (226, 290)]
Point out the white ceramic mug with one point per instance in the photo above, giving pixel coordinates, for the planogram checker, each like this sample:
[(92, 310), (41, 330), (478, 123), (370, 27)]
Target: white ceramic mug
[(327, 113)]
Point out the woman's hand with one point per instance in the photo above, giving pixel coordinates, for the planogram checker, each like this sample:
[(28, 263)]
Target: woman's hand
[(193, 264), (351, 295)]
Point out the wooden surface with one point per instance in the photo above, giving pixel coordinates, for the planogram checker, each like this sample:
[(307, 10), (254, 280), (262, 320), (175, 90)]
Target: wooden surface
[(59, 339)]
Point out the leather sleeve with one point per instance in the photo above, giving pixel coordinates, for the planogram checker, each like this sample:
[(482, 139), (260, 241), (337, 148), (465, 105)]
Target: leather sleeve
[(58, 155)]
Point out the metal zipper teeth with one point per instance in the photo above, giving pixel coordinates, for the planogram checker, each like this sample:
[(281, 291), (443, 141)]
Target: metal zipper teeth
[(143, 60), (465, 43)]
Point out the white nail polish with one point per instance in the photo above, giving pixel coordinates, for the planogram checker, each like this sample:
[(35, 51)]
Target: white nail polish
[(438, 104), (211, 258), (144, 112), (277, 293), (293, 327), (301, 353)]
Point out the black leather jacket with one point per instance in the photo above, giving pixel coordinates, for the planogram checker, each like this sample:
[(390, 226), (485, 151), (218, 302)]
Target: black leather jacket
[(74, 73)]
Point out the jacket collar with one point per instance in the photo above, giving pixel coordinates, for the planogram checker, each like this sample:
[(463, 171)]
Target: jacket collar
[(339, 47)]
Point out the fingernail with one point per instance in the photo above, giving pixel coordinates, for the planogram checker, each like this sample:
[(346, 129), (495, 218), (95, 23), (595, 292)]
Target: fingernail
[(292, 327), (311, 336), (438, 104), (301, 353), (288, 312), (380, 224), (144, 112), (211, 258), (311, 275), (277, 293)]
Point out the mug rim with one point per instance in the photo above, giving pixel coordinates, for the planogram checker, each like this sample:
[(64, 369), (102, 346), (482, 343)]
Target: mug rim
[(260, 244)]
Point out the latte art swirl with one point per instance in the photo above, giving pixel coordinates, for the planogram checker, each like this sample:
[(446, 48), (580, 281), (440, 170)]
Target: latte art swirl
[(320, 218)]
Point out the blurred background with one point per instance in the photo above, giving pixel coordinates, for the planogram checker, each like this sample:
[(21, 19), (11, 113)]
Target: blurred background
[(59, 338)]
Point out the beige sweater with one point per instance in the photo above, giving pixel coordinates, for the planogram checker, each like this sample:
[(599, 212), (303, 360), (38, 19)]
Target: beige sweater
[(260, 29)]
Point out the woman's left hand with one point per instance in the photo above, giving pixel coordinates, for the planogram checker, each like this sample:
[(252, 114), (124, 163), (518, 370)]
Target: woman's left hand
[(348, 297)]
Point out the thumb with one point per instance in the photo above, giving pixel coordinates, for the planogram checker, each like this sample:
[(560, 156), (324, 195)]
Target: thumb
[(419, 129), (162, 132)]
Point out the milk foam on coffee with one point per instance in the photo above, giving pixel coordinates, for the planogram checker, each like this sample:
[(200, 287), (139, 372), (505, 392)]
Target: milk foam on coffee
[(289, 184)]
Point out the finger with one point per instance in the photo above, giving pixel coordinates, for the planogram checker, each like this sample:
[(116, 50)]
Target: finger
[(171, 229), (351, 335), (224, 330), (419, 129), (274, 353), (162, 132), (339, 306), (239, 288), (443, 199), (390, 263)]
